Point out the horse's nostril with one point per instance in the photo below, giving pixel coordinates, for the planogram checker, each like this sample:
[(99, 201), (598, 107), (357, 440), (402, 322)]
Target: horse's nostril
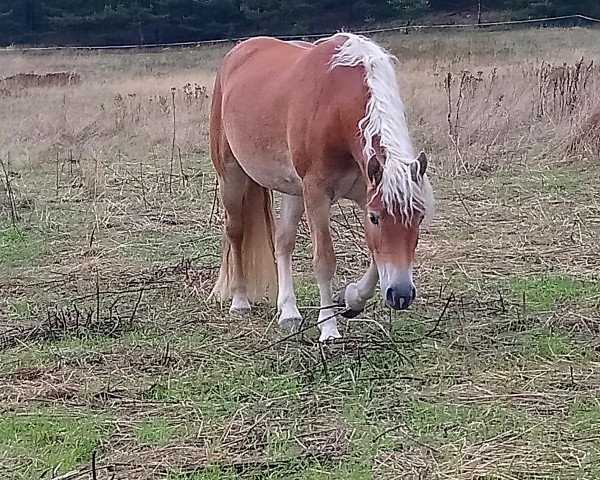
[(390, 297), (399, 298)]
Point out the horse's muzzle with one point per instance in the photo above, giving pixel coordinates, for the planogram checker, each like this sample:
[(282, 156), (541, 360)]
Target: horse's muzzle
[(400, 297)]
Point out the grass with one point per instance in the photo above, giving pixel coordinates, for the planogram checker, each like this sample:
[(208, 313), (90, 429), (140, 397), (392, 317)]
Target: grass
[(19, 245), (154, 432), (165, 384), (44, 442), (546, 291)]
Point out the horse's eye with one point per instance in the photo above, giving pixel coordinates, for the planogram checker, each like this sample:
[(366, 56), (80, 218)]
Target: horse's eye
[(374, 219)]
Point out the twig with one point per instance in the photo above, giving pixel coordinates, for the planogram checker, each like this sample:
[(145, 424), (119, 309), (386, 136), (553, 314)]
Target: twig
[(214, 202), (121, 292), (135, 307), (439, 319), (97, 298), (57, 175), (173, 143), (14, 217), (94, 472), (462, 201), (298, 332), (183, 175), (143, 186), (92, 235), (323, 360)]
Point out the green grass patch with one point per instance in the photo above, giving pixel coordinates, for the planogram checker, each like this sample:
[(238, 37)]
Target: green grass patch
[(209, 473), (19, 245), (544, 292), (21, 308), (218, 389), (300, 470), (563, 180), (155, 432), (584, 415), (33, 444), (343, 471), (548, 344), (307, 291), (441, 423)]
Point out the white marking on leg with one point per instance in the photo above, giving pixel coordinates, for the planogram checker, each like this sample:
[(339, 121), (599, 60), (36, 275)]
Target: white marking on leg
[(357, 294), (292, 209), (318, 205), (327, 320), (240, 304)]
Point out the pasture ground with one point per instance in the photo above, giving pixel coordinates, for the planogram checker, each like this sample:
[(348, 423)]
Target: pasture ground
[(112, 356)]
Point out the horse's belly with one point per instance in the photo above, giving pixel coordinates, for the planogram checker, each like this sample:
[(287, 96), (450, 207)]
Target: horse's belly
[(280, 176), (273, 171)]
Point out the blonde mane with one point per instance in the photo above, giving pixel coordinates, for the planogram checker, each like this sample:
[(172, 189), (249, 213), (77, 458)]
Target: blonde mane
[(385, 118)]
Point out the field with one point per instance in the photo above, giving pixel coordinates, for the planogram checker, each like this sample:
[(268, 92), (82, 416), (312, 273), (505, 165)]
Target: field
[(114, 364)]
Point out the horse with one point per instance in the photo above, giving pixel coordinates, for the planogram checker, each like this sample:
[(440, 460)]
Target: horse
[(317, 123)]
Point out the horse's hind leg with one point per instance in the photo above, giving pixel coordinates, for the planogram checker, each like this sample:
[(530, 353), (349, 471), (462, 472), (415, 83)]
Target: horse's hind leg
[(248, 264), (233, 187), (292, 209)]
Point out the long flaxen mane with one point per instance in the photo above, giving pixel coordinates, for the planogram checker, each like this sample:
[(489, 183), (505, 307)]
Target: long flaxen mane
[(385, 118)]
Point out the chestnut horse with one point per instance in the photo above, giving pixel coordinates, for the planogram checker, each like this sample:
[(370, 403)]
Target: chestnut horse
[(315, 122)]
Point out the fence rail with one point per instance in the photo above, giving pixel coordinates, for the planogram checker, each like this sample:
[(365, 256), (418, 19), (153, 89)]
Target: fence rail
[(308, 36)]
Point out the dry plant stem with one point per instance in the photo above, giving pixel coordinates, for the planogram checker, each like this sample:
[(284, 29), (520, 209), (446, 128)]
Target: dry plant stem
[(57, 175), (14, 216), (94, 471), (173, 142), (181, 172), (143, 187)]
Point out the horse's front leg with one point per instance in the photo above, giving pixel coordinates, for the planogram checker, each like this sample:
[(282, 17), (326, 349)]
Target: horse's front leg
[(292, 209), (318, 205), (355, 295)]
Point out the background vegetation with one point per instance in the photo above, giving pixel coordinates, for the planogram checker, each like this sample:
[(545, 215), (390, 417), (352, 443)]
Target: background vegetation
[(149, 21)]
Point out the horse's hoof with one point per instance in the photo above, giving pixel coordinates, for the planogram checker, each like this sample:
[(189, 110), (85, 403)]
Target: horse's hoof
[(289, 323), (350, 313), (339, 299), (329, 334), (240, 311), (240, 305)]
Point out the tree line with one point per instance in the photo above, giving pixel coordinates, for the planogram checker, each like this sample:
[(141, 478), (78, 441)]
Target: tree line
[(84, 22)]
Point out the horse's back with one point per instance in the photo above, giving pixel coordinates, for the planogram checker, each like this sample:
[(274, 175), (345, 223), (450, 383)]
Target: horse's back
[(281, 104), (273, 64)]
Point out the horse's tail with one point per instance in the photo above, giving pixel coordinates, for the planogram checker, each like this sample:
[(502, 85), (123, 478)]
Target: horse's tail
[(258, 252)]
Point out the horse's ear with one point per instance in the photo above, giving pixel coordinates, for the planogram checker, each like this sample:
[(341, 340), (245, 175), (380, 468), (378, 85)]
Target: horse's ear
[(374, 171), (419, 168)]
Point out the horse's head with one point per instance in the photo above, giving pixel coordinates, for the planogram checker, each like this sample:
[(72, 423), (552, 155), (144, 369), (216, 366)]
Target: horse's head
[(392, 228)]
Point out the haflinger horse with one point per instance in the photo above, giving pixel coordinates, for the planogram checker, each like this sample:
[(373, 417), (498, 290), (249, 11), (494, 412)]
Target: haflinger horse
[(317, 123)]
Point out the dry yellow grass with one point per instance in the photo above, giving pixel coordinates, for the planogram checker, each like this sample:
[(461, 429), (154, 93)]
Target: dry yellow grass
[(120, 104)]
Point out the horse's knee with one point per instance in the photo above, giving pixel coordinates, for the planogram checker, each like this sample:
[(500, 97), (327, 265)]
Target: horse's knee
[(284, 244), (234, 229), (324, 265)]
